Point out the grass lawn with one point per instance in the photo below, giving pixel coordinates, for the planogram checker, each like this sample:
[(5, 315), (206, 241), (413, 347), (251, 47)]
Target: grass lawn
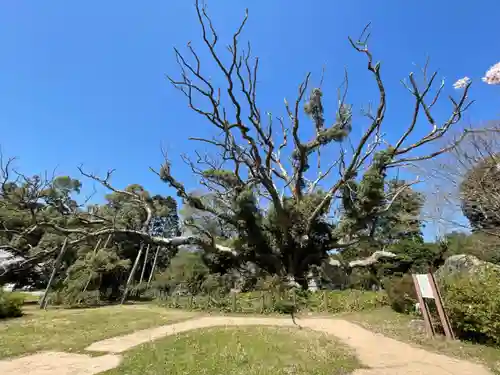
[(28, 298), (241, 350), (398, 326), (73, 330)]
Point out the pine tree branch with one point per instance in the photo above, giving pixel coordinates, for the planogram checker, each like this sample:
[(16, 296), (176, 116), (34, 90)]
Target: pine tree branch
[(143, 203)]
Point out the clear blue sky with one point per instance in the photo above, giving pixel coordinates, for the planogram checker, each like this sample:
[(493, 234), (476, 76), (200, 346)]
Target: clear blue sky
[(84, 82)]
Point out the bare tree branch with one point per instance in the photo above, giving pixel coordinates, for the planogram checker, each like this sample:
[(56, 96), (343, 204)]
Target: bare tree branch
[(376, 257)]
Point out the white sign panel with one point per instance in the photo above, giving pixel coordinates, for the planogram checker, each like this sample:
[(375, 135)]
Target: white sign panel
[(425, 286)]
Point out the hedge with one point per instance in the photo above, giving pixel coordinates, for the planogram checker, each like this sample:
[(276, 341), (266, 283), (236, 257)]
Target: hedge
[(265, 302)]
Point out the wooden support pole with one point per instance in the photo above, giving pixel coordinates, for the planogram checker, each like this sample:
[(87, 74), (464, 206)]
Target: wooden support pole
[(107, 242), (154, 266), (57, 262), (144, 265), (262, 302), (131, 274), (234, 301)]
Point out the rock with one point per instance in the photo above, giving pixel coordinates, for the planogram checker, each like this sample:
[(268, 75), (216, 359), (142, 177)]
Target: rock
[(290, 281), (417, 325), (312, 282), (462, 263), (312, 285)]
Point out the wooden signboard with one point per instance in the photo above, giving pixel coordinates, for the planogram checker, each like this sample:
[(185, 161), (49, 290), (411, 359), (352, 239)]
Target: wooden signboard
[(426, 288)]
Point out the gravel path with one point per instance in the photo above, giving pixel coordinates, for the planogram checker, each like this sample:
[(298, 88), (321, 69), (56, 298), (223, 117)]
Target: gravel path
[(383, 356)]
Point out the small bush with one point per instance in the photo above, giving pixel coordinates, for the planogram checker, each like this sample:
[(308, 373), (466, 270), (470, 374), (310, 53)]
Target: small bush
[(401, 293), (10, 305), (472, 301)]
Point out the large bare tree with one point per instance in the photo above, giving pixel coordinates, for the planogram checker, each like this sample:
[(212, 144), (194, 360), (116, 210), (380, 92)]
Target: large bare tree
[(262, 166)]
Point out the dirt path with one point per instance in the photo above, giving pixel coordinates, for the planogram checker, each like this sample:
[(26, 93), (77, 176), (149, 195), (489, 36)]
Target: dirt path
[(59, 363), (383, 356)]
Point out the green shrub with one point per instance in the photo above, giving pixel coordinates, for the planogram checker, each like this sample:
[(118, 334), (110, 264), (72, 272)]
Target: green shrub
[(472, 301), (217, 285), (89, 298), (10, 304), (401, 293), (284, 307), (139, 292), (185, 275), (361, 278)]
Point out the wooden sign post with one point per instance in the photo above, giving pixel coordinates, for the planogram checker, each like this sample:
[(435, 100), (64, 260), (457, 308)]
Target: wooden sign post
[(426, 288)]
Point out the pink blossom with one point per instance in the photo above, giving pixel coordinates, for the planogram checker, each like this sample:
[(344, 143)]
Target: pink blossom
[(461, 83), (492, 76)]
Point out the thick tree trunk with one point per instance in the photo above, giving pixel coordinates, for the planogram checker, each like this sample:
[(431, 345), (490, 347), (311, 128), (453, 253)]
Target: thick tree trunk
[(144, 265), (131, 275), (57, 262), (154, 266)]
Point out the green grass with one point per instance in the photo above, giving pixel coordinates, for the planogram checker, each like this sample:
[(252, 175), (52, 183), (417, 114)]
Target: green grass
[(241, 350), (400, 327), (73, 330)]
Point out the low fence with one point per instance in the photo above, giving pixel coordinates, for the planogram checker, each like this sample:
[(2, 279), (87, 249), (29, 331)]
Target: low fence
[(264, 302)]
